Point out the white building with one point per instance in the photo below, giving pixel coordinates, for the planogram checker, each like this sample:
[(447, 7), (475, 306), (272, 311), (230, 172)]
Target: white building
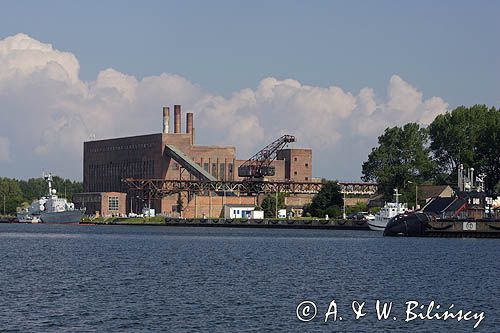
[(257, 214), (238, 211)]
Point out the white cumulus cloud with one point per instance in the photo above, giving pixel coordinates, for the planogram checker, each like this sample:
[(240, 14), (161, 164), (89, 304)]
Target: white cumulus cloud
[(47, 111)]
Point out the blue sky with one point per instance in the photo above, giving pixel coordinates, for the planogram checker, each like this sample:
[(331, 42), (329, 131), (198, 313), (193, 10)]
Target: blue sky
[(447, 48), (397, 49)]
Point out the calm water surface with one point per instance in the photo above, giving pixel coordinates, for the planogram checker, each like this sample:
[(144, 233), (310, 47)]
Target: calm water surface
[(118, 278)]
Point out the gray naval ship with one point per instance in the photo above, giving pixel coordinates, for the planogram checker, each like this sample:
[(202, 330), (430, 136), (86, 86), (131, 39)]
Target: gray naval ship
[(50, 209)]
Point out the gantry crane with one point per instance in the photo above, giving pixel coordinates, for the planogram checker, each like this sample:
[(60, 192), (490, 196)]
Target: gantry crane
[(259, 165)]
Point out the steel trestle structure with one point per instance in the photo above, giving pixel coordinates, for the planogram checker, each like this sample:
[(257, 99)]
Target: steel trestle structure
[(159, 188)]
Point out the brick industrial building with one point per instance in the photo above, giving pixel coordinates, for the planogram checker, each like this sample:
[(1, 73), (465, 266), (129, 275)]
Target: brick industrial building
[(107, 162)]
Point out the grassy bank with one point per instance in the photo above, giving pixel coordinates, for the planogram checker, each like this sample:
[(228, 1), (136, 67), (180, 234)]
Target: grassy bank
[(135, 220)]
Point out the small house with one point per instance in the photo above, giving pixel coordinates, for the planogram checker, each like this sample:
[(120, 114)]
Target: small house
[(238, 211)]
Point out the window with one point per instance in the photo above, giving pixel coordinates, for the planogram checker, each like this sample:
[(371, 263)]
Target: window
[(295, 173), (214, 170), (222, 173), (113, 203), (295, 159), (307, 165), (307, 178), (205, 166)]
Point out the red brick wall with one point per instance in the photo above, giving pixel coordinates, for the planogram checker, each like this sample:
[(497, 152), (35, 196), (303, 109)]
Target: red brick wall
[(98, 203), (105, 209), (203, 205), (213, 206), (298, 164)]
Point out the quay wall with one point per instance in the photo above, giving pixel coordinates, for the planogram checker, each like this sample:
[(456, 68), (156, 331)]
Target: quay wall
[(252, 223)]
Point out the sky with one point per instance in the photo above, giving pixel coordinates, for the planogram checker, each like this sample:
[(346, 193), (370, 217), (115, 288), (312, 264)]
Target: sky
[(333, 73)]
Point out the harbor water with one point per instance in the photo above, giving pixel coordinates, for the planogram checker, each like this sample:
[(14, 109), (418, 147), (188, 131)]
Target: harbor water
[(176, 279)]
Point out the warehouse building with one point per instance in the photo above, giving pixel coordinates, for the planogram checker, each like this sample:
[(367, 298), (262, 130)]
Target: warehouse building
[(173, 155)]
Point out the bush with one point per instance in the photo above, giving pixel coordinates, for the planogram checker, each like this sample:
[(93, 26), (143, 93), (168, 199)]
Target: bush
[(327, 201)]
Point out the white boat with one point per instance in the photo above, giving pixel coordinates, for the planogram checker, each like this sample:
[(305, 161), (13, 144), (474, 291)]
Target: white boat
[(369, 216), (50, 209), (387, 212)]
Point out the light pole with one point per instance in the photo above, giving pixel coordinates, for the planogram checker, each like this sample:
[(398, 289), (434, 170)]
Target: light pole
[(416, 192), (276, 203), (343, 213), (4, 204)]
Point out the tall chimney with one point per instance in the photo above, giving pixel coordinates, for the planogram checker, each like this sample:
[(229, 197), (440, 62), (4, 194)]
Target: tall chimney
[(177, 118), (166, 119), (189, 125), (189, 122)]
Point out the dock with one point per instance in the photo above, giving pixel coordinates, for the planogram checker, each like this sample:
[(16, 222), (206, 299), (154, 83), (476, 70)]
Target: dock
[(463, 229), (338, 224), (438, 228)]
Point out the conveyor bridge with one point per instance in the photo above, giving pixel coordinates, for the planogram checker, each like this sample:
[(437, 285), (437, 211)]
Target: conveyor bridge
[(191, 166)]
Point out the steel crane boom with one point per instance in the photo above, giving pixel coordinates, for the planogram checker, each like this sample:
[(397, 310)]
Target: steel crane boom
[(259, 165)]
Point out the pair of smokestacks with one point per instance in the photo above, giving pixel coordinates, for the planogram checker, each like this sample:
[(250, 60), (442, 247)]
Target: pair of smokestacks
[(177, 120)]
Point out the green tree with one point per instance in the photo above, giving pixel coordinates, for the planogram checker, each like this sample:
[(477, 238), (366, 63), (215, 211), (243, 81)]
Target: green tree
[(496, 189), (488, 151), (269, 204), (468, 136), (359, 207), (34, 188), (327, 201), (11, 194), (401, 156)]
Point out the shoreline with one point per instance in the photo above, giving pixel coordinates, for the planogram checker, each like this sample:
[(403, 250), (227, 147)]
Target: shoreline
[(440, 229), (247, 223)]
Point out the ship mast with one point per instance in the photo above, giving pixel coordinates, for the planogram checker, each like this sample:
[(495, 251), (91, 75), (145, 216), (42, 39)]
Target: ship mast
[(48, 178), (396, 195)]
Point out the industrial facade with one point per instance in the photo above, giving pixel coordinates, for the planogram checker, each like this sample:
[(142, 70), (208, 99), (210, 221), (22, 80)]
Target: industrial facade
[(105, 204), (107, 162)]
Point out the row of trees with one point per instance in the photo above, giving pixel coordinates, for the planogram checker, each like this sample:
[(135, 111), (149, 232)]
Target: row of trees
[(16, 193), (414, 154)]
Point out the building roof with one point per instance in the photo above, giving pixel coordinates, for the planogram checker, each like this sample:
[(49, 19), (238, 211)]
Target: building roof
[(444, 205), (431, 191), (99, 193), (239, 206), (457, 205), (376, 200), (295, 206)]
